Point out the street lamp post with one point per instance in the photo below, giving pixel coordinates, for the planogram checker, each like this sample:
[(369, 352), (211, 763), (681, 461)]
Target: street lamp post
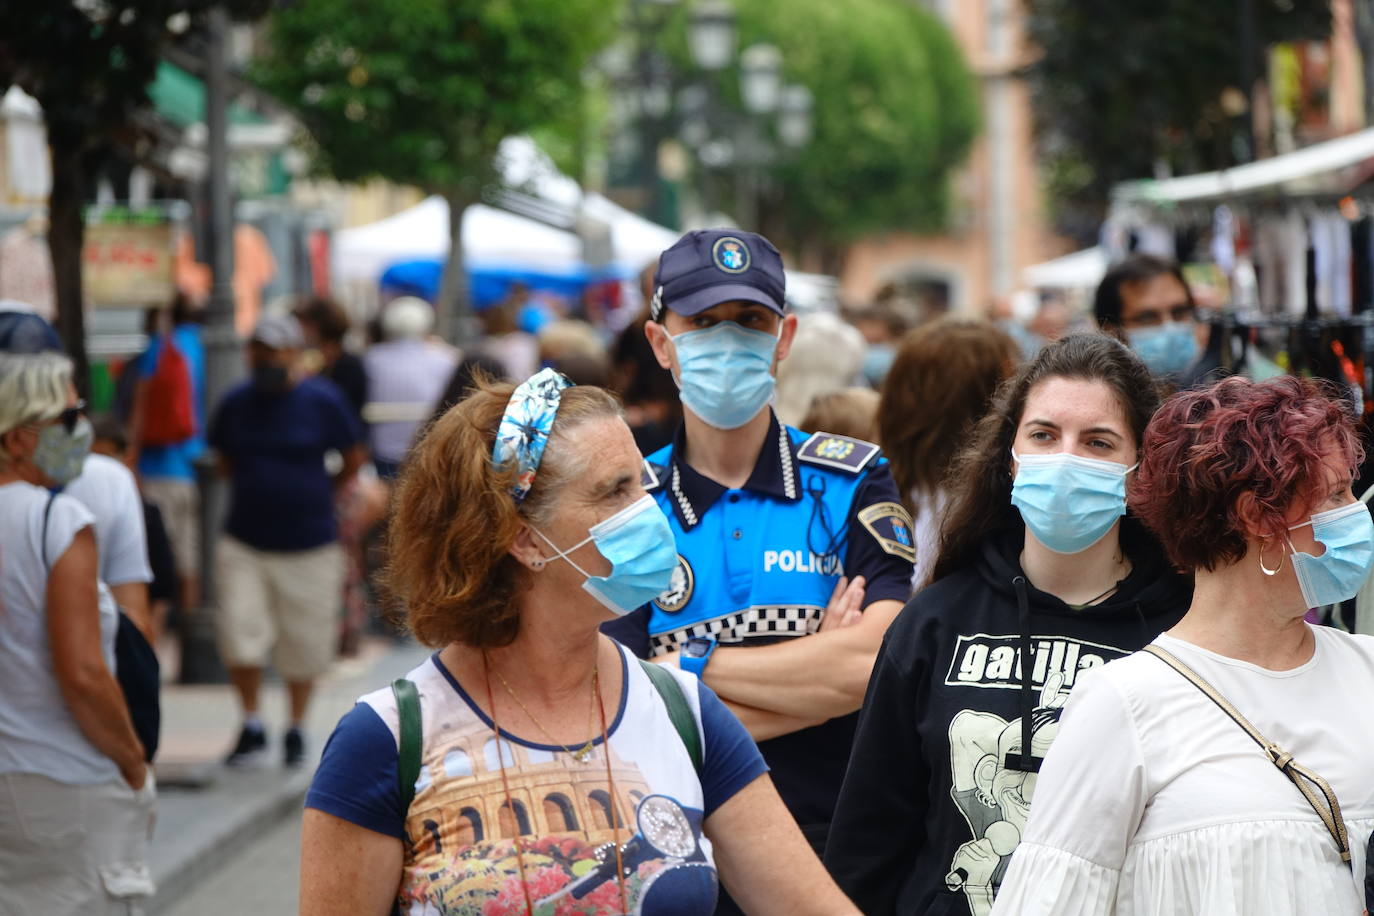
[(223, 360), (721, 138)]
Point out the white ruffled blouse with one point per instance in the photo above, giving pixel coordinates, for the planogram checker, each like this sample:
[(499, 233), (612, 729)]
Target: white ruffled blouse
[(1153, 802)]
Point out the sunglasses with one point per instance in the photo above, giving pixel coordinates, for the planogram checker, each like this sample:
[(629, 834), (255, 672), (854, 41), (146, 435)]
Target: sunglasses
[(71, 415)]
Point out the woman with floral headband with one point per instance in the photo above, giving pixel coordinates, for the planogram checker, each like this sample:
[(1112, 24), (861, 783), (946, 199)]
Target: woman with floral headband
[(531, 765)]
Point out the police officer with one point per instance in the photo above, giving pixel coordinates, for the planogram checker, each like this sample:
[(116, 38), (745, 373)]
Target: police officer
[(794, 551)]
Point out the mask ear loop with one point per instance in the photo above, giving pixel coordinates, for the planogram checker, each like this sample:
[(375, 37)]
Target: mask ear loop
[(1264, 569)]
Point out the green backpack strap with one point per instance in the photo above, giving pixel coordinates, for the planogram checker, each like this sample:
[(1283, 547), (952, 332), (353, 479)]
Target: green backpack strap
[(678, 711), (412, 737)]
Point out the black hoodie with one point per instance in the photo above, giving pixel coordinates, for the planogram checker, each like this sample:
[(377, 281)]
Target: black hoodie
[(937, 794)]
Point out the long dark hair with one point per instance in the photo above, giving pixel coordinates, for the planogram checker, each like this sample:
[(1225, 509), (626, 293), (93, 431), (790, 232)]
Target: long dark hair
[(979, 480)]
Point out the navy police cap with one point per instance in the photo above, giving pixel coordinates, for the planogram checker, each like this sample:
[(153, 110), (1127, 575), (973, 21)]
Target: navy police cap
[(709, 266)]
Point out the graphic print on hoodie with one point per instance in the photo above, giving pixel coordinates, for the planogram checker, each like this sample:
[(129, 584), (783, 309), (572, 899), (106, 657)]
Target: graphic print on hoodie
[(938, 789)]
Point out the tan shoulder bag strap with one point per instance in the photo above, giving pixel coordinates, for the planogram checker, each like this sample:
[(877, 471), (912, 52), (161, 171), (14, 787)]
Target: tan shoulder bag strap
[(1325, 803)]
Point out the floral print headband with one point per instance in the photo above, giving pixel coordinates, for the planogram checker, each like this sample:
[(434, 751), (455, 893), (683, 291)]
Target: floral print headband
[(524, 431)]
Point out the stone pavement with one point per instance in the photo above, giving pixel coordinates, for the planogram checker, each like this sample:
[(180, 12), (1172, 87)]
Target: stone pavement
[(207, 814)]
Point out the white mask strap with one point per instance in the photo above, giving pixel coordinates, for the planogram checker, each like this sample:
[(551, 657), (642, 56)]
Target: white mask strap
[(563, 554)]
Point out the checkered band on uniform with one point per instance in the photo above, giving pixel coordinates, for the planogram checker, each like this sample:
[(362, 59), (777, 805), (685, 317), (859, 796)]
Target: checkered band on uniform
[(524, 431)]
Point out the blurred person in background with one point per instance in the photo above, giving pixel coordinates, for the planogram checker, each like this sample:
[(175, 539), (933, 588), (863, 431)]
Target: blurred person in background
[(1145, 301), (502, 337), (794, 552), (652, 407), (571, 337), (280, 568), (406, 374), (1154, 799), (166, 431), (1039, 578), (164, 590), (77, 807), (881, 328), (827, 355), (326, 325), (851, 412), (940, 384), (361, 501)]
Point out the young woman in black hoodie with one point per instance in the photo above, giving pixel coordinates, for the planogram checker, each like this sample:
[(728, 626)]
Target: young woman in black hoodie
[(1036, 562)]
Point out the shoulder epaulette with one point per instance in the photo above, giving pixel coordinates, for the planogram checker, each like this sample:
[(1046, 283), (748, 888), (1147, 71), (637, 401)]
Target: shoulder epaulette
[(651, 477), (842, 453)]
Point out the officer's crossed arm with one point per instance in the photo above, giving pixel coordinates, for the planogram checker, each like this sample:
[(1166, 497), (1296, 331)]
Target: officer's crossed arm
[(825, 675), (844, 608), (807, 680)]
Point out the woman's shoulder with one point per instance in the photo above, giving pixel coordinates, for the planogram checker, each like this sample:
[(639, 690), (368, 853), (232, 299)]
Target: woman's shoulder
[(1349, 646)]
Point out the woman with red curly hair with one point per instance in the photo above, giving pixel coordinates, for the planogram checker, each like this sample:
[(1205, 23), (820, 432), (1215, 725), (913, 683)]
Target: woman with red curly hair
[(1225, 769)]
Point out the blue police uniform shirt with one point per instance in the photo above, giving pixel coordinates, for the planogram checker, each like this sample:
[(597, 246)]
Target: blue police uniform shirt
[(757, 565)]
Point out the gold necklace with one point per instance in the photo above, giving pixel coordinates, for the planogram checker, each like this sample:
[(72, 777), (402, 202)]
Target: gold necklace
[(580, 754), (610, 783)]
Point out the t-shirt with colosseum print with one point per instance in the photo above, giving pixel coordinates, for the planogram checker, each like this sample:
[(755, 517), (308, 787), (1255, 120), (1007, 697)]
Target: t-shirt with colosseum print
[(459, 831)]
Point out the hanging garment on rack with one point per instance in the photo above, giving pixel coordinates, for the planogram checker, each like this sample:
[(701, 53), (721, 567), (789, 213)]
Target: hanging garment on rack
[(1331, 240), (1270, 259), (1361, 264), (1155, 239), (1294, 242)]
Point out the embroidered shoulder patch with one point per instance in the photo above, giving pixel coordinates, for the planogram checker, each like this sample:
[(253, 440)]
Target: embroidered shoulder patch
[(832, 450), (890, 525), (651, 477)]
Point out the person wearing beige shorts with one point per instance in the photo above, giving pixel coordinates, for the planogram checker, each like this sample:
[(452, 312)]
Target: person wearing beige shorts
[(282, 607), (279, 564)]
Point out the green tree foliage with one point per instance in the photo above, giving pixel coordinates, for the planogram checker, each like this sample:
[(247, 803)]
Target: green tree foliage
[(895, 111), (1120, 86), (89, 64), (422, 92)]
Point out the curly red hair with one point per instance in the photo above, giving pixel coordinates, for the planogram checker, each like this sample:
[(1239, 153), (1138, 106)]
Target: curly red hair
[(1205, 448)]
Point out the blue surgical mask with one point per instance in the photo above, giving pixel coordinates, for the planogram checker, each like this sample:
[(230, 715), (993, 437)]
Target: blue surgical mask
[(877, 361), (1167, 349), (639, 544), (1069, 502), (725, 373), (60, 454), (1348, 535)]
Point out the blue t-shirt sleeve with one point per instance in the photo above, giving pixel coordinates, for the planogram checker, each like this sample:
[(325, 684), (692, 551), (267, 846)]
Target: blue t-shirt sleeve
[(222, 422), (342, 429), (731, 759), (356, 780), (146, 364)]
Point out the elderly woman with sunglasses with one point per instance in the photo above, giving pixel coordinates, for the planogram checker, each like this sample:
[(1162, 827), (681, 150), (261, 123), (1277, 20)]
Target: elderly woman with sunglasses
[(76, 798), (1225, 769), (532, 765)]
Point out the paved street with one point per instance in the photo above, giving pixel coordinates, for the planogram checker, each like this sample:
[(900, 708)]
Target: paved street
[(262, 879), (226, 840)]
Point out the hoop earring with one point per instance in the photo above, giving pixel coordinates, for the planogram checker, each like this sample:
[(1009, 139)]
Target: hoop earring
[(1264, 569)]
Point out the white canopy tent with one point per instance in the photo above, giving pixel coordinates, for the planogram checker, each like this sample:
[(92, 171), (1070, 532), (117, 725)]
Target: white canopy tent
[(497, 238), (1080, 270), (1328, 167), (490, 237)]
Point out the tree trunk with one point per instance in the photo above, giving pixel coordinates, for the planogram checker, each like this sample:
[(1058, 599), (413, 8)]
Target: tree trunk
[(66, 234), (453, 307)]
